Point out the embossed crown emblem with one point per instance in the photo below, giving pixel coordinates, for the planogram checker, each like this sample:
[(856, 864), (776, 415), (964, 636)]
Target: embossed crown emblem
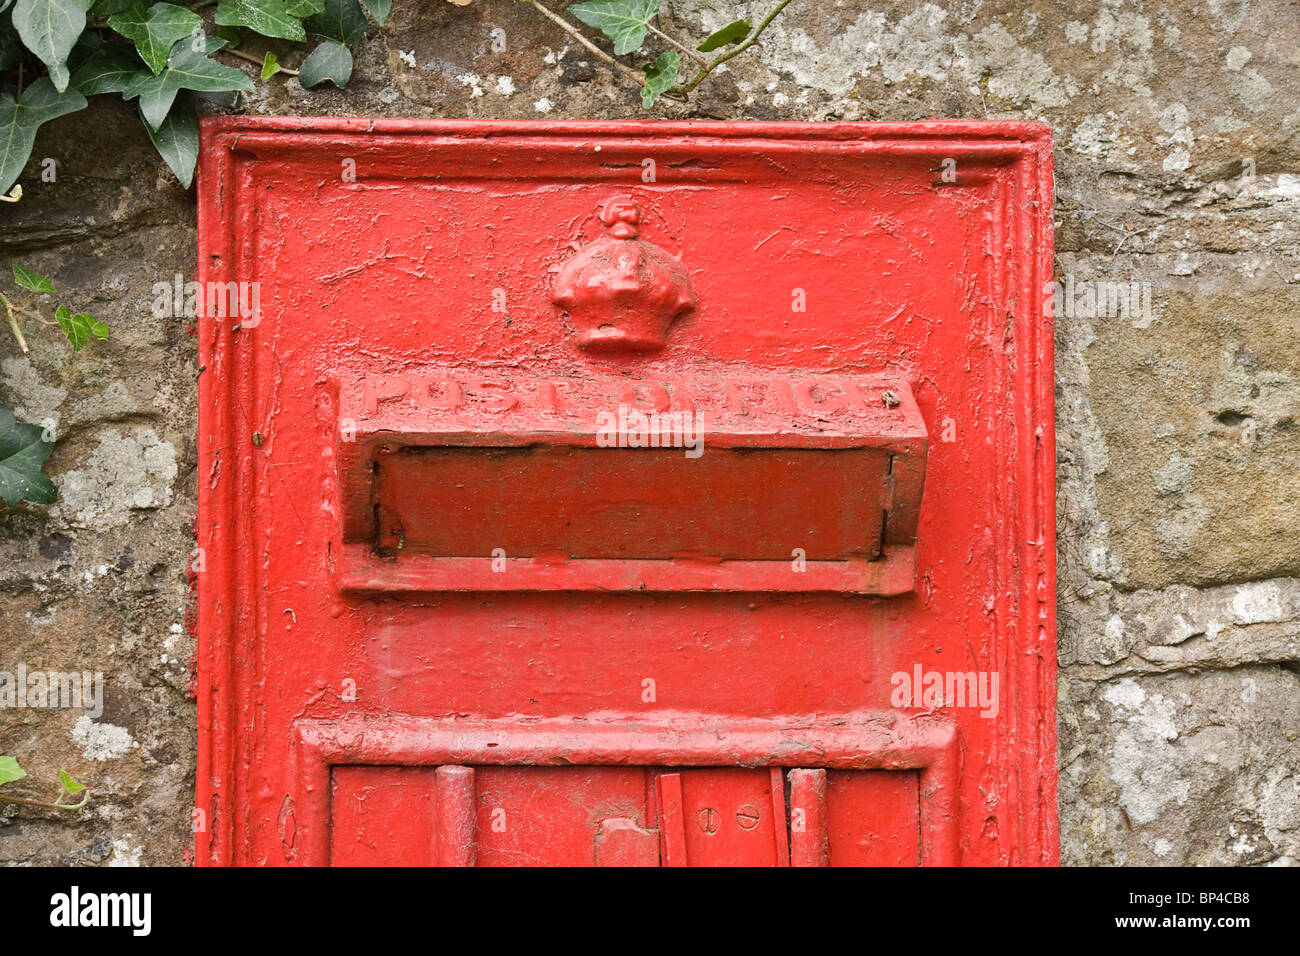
[(620, 292)]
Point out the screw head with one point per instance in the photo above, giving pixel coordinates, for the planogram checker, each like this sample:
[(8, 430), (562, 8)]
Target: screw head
[(747, 817)]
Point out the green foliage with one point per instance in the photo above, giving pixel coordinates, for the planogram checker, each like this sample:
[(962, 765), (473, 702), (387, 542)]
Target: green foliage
[(177, 139), (156, 30), (70, 786), (50, 28), (379, 9), (23, 447), (629, 22), (660, 76), (162, 55), (270, 18), (10, 771), (21, 118), (331, 61), (341, 20), (732, 33), (623, 21), (22, 453), (108, 71), (55, 53), (31, 281), (188, 68), (79, 328)]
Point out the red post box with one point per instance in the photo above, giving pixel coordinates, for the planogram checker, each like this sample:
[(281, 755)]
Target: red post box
[(652, 494)]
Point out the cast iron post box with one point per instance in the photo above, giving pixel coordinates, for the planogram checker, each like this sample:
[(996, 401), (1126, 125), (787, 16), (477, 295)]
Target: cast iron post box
[(626, 494)]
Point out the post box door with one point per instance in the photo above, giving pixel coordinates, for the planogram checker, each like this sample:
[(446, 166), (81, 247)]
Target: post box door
[(622, 816), (625, 494)]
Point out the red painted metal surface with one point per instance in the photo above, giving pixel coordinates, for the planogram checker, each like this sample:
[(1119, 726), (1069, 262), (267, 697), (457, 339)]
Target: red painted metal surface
[(557, 513)]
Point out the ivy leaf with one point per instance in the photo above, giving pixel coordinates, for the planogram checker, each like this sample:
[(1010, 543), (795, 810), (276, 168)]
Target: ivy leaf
[(341, 20), (623, 21), (379, 9), (70, 786), (31, 281), (20, 120), (188, 68), (90, 43), (271, 18), (270, 65), (22, 452), (331, 61), (110, 71), (80, 327), (304, 8), (659, 76), (156, 30), (177, 139), (9, 770), (733, 32), (49, 28)]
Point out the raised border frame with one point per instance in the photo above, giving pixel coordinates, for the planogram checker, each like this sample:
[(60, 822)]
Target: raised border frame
[(855, 741)]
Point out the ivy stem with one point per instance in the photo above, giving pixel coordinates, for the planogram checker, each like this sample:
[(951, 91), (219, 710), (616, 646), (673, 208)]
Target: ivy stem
[(18, 334), (681, 46), (48, 806), (570, 29), (252, 59), (718, 61)]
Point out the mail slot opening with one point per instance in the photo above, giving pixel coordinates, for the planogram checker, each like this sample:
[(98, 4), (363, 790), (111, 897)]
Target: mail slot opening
[(784, 481), (545, 500)]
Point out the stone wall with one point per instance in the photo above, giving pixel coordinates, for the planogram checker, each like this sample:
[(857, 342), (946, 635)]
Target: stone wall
[(1178, 164)]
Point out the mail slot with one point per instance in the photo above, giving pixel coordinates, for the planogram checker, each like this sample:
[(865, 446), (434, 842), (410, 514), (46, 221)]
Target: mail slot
[(554, 515), (581, 483)]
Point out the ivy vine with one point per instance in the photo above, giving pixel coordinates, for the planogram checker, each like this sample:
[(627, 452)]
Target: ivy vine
[(24, 448), (164, 57), (628, 23), (68, 788), (55, 53)]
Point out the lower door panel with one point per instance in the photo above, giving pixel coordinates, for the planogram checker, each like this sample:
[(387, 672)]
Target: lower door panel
[(623, 816)]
